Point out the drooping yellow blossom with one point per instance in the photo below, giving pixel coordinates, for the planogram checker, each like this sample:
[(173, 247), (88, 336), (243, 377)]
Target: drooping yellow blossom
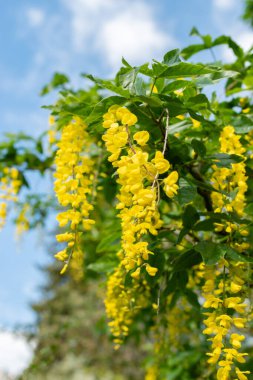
[(222, 320), (9, 188), (141, 137), (139, 186), (223, 289), (123, 303), (22, 221), (170, 184), (161, 164), (195, 123), (73, 186), (52, 133), (152, 373), (231, 181)]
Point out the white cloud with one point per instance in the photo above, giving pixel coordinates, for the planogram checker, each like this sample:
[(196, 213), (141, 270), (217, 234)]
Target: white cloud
[(87, 16), (224, 5), (134, 35), (16, 353), (245, 39), (35, 17), (114, 28)]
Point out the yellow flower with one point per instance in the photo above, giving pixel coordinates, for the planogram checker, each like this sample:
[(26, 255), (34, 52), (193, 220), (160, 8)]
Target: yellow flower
[(195, 123), (236, 339), (239, 322), (136, 273), (73, 184), (64, 269), (64, 237), (151, 270), (129, 119), (141, 137), (123, 303), (170, 187), (62, 255), (234, 287), (223, 373), (241, 374), (161, 164)]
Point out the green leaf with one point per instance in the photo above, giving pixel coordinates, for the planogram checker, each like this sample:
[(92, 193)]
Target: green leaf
[(225, 160), (197, 100), (194, 32), (205, 225), (192, 298), (187, 70), (128, 79), (244, 129), (187, 192), (105, 264), (125, 63), (199, 147), (182, 234), (203, 185), (109, 242), (178, 280), (187, 52), (208, 44), (237, 256), (177, 85), (190, 216), (238, 51), (187, 260), (108, 85), (152, 101), (57, 81), (96, 111), (210, 252), (173, 56), (179, 127)]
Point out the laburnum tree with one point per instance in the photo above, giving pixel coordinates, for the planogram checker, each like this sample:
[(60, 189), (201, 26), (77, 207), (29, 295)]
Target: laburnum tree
[(154, 196)]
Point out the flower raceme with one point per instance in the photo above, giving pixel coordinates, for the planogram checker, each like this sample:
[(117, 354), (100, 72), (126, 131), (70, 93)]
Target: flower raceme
[(73, 186), (122, 303), (224, 284), (9, 188), (138, 177), (138, 196), (228, 180)]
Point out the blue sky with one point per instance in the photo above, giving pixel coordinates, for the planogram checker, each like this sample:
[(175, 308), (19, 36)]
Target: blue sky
[(38, 38)]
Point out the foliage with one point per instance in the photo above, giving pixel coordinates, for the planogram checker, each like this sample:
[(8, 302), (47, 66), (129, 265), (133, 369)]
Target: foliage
[(153, 177), (248, 12)]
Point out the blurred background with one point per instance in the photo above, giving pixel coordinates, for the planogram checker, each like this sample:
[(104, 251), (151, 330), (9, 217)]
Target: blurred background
[(79, 36)]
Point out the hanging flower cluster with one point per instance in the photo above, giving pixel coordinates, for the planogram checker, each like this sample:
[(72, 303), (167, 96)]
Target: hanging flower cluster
[(230, 179), (22, 220), (152, 373), (138, 177), (52, 133), (224, 284), (73, 186), (9, 188), (223, 293), (122, 303)]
